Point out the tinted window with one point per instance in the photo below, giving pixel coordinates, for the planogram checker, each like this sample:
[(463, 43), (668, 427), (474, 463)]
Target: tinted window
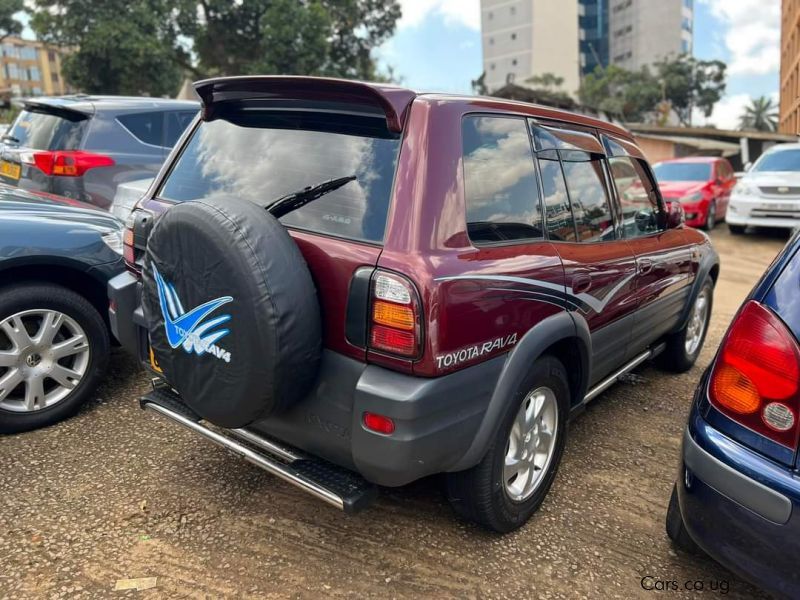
[(146, 127), (177, 122), (502, 193), (560, 225), (637, 197), (782, 160), (42, 131), (587, 193), (683, 171), (261, 156)]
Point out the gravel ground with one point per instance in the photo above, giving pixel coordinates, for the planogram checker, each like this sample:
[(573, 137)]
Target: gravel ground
[(117, 493)]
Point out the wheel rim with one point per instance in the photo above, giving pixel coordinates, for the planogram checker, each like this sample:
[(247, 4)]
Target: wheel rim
[(697, 323), (44, 355), (531, 444), (711, 220)]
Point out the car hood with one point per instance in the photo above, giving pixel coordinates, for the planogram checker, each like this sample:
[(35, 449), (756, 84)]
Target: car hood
[(16, 204), (677, 189), (772, 178)]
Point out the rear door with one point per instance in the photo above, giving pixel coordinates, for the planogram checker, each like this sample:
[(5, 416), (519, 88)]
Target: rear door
[(663, 256), (599, 265)]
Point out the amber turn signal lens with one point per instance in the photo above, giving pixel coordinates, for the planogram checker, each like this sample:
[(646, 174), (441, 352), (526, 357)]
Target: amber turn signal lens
[(393, 315), (734, 390)]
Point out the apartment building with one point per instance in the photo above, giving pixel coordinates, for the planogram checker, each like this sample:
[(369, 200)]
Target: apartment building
[(570, 38), (790, 68), (29, 68)]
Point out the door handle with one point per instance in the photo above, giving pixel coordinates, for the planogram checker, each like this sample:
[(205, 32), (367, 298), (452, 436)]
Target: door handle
[(581, 282), (645, 265)]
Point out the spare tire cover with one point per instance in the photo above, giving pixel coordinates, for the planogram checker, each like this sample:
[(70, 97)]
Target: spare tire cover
[(231, 309)]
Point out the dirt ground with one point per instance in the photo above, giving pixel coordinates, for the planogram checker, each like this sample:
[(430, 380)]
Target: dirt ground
[(118, 493)]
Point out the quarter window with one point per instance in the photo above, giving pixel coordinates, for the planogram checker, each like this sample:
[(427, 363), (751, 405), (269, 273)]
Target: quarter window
[(638, 198), (502, 193)]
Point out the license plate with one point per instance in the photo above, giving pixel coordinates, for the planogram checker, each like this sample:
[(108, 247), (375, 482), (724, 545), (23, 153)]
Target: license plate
[(9, 169), (782, 206), (154, 361)]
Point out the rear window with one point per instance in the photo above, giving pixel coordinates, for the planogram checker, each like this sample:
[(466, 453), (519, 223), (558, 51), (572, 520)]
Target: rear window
[(46, 131), (260, 156), (145, 127)]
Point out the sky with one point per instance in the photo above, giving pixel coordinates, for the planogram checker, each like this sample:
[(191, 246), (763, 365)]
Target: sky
[(437, 47)]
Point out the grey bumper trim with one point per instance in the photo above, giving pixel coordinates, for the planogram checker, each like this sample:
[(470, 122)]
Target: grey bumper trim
[(729, 482)]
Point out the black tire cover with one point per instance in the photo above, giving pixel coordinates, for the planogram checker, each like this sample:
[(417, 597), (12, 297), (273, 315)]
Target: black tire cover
[(231, 309)]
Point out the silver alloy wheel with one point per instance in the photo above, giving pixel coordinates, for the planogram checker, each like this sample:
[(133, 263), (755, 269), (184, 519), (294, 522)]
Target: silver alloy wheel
[(44, 354), (531, 444), (698, 320), (711, 217)]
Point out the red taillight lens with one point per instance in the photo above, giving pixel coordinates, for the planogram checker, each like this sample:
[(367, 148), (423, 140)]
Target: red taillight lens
[(69, 163), (756, 380), (395, 315), (378, 423), (128, 250)]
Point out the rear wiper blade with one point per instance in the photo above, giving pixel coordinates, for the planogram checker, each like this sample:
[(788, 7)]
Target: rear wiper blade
[(286, 204), (10, 138)]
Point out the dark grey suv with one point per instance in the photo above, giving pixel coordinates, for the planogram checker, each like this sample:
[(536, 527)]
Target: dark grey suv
[(83, 147)]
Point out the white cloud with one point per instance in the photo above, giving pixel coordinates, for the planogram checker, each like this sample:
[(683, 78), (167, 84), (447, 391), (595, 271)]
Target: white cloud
[(455, 12), (752, 36), (728, 111)]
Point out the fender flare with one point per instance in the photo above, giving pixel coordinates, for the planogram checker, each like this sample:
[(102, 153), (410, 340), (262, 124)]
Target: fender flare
[(708, 261), (563, 325)]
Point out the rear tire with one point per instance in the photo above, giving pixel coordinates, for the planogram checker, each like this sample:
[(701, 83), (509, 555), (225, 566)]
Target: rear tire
[(736, 229), (500, 492), (711, 216), (684, 347), (22, 311), (676, 530)]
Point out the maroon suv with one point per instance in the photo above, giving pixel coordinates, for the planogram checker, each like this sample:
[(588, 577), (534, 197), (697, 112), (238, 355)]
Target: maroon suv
[(353, 284)]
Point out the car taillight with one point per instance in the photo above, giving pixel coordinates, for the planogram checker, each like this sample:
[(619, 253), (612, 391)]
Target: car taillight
[(395, 319), (69, 163), (756, 380), (134, 239)]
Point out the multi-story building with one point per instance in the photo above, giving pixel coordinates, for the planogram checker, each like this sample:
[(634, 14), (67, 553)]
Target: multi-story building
[(522, 38), (29, 68), (790, 68), (570, 38)]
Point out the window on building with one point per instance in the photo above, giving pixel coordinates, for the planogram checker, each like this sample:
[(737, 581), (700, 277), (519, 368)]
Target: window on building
[(514, 61), (513, 36), (37, 91), (12, 71), (491, 67), (685, 46), (34, 75), (500, 183), (491, 41), (27, 53), (638, 198), (51, 56), (54, 77)]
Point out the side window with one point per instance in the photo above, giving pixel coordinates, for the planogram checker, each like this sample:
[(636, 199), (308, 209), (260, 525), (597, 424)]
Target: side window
[(177, 122), (502, 193), (587, 192), (560, 225), (637, 196), (148, 128)]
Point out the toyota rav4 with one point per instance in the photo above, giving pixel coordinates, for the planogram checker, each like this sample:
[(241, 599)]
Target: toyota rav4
[(354, 285)]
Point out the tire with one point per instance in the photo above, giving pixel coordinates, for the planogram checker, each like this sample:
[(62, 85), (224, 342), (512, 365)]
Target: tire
[(676, 530), (711, 216), (482, 493), (736, 229), (23, 312), (231, 309), (680, 355)]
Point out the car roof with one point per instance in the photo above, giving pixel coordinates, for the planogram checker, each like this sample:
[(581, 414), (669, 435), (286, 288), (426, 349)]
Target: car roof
[(782, 147), (89, 104)]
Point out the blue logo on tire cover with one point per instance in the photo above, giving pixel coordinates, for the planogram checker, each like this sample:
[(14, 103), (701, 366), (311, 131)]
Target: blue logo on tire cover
[(188, 329)]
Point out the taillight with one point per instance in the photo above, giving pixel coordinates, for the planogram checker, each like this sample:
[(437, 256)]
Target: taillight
[(395, 315), (134, 239), (756, 380), (69, 163), (128, 250)]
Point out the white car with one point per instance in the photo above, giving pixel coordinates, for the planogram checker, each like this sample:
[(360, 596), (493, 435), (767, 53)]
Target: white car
[(127, 195), (768, 194)]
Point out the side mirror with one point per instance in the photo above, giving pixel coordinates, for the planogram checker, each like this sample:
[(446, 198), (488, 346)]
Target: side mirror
[(747, 166), (675, 215)]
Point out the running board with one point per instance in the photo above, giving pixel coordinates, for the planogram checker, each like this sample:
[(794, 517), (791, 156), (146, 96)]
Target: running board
[(338, 487), (614, 377)]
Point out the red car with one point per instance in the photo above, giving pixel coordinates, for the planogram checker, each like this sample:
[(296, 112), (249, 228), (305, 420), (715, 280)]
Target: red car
[(359, 285), (702, 184)]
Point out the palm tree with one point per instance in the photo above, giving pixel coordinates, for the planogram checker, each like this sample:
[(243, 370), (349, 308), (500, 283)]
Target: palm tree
[(761, 115)]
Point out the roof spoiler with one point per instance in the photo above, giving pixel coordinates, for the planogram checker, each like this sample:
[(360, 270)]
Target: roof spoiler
[(58, 109), (389, 100)]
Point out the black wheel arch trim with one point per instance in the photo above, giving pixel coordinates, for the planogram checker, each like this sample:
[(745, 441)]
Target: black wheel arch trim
[(542, 336), (708, 261)]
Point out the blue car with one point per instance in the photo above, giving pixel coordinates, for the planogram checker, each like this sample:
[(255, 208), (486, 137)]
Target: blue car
[(737, 497)]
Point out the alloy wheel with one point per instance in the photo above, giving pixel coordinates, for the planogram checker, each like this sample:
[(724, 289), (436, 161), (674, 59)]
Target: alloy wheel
[(698, 320)]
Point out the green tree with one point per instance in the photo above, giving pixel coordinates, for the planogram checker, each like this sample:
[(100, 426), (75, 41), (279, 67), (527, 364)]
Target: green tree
[(117, 46), (630, 94), (688, 83), (760, 115), (9, 25)]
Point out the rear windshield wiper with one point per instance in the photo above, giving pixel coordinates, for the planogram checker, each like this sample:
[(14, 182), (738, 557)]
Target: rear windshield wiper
[(10, 138), (286, 204)]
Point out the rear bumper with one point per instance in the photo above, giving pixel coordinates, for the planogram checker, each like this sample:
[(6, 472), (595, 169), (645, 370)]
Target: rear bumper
[(740, 508), (436, 419)]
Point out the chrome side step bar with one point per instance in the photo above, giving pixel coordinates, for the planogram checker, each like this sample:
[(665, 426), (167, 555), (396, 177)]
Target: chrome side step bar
[(340, 488), (612, 379)]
